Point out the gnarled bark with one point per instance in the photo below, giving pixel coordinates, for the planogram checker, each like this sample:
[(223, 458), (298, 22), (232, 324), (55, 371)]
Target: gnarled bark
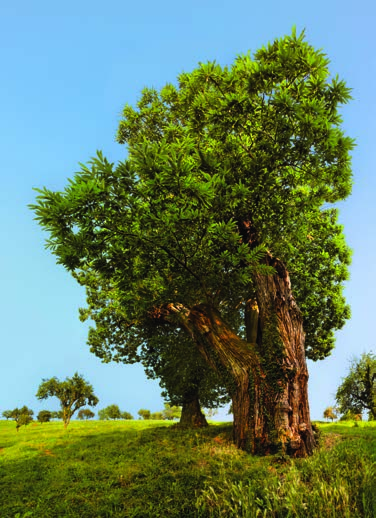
[(269, 389), (281, 347), (220, 345)]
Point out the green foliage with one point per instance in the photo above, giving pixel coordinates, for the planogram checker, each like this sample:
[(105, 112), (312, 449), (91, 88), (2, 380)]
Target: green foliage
[(145, 414), (330, 413), (7, 414), (23, 416), (73, 393), (357, 391), (113, 412), (85, 413), (127, 416), (110, 412), (57, 415), (350, 416), (157, 416), (143, 469), (257, 142), (44, 416), (171, 412)]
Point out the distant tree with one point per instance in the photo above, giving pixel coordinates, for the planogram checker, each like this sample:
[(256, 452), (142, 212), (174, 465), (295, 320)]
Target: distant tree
[(329, 413), (350, 416), (127, 416), (23, 416), (102, 414), (171, 412), (7, 414), (73, 393), (113, 412), (210, 412), (85, 413), (157, 416), (357, 391), (57, 415), (110, 412), (186, 379), (44, 416), (145, 414)]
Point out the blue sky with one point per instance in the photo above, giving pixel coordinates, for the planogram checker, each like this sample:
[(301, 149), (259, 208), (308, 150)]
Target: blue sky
[(67, 70)]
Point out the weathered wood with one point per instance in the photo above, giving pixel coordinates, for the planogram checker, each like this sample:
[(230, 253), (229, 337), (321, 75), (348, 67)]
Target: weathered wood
[(282, 337)]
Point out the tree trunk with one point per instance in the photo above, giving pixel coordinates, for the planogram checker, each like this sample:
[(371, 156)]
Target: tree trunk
[(219, 345), (286, 417), (269, 378), (191, 415)]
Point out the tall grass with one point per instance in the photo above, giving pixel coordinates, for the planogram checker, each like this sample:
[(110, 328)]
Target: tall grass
[(337, 483), (150, 469)]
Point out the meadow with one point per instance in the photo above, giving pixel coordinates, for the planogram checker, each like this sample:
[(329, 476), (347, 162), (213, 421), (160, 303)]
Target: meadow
[(152, 469)]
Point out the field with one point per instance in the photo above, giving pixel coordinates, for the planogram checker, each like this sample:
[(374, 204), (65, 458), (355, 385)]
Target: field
[(152, 469)]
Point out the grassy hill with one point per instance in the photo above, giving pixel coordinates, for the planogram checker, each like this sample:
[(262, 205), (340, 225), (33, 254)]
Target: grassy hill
[(152, 469)]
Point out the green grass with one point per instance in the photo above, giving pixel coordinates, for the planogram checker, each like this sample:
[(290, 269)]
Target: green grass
[(150, 469)]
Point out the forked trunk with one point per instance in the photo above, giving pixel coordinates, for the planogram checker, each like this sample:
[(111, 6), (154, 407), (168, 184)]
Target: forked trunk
[(191, 415), (269, 378), (221, 346)]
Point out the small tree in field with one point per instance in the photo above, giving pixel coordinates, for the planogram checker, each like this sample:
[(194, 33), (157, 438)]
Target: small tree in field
[(73, 393), (357, 391), (171, 412), (157, 416), (145, 414), (110, 412), (85, 413), (350, 416), (127, 416), (44, 416), (23, 416), (7, 414), (329, 413)]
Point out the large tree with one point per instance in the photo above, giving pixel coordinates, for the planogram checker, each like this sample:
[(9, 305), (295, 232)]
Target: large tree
[(227, 185), (73, 393), (357, 392)]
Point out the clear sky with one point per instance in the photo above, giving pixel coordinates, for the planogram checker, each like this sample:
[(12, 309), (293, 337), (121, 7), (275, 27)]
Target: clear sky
[(67, 69)]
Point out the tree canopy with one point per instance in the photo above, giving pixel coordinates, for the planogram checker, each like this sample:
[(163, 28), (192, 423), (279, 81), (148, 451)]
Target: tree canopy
[(110, 412), (44, 416), (228, 170), (330, 413), (23, 416), (73, 393), (357, 392), (85, 413)]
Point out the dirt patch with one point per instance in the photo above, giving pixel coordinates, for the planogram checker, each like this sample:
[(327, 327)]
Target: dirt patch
[(49, 452), (331, 440)]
